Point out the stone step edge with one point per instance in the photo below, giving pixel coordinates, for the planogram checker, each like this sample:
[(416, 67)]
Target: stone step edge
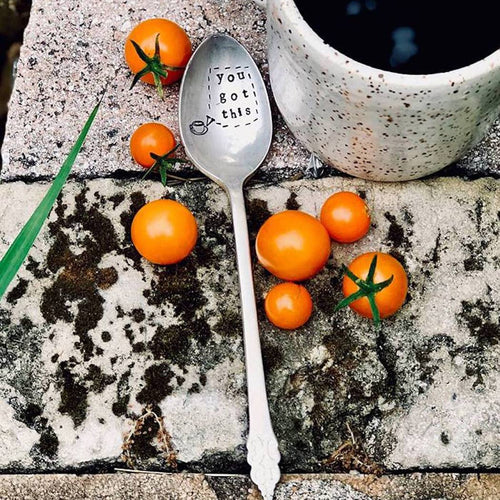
[(348, 486), (257, 182)]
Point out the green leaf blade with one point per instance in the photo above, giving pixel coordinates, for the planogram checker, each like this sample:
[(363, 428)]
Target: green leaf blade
[(163, 174), (350, 299), (374, 308), (140, 52), (144, 71), (371, 271), (19, 249)]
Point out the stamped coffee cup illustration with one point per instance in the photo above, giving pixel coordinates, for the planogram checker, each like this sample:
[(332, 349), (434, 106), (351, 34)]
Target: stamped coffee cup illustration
[(199, 127)]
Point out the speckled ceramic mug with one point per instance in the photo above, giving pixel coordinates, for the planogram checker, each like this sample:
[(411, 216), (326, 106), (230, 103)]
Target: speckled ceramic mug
[(370, 123)]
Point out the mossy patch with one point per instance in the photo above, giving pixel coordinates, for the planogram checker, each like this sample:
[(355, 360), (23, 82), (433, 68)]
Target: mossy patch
[(18, 291), (157, 387), (398, 235), (98, 381), (137, 201), (80, 278), (258, 212), (49, 443), (292, 203), (30, 414), (216, 227), (119, 407), (346, 372), (73, 393), (479, 317), (179, 285)]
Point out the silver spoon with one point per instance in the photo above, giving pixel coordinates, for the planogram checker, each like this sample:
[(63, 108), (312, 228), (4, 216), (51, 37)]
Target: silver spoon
[(226, 129)]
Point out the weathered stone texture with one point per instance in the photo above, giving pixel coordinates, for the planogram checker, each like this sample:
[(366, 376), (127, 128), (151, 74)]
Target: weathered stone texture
[(73, 49), (91, 335)]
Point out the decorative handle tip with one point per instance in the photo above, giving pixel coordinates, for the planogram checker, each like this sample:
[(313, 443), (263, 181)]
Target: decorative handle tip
[(263, 457)]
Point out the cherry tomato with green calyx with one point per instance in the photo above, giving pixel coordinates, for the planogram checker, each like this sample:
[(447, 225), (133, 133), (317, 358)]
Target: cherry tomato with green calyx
[(375, 285), (148, 139), (157, 51)]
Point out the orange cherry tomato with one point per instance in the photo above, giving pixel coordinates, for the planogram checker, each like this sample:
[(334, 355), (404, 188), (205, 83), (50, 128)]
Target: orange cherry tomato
[(151, 138), (164, 231), (293, 245), (288, 305), (389, 299), (345, 216), (174, 44)]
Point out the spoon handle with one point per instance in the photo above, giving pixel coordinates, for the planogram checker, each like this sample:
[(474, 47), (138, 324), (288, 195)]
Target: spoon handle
[(263, 454)]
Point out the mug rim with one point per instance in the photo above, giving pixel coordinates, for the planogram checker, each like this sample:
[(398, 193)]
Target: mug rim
[(474, 70)]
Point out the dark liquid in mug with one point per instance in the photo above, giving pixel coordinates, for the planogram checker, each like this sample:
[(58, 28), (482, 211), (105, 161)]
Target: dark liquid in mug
[(407, 36)]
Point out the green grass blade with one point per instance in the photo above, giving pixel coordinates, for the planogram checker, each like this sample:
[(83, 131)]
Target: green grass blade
[(18, 250)]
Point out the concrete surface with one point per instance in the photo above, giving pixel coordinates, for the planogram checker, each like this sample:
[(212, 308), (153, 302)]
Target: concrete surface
[(73, 49), (91, 335), (291, 487)]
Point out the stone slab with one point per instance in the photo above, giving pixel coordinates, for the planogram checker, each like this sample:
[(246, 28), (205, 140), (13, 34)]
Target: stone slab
[(226, 487), (72, 49), (91, 336)]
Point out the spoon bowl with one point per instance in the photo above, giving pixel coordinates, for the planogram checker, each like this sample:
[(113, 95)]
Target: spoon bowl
[(225, 117)]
